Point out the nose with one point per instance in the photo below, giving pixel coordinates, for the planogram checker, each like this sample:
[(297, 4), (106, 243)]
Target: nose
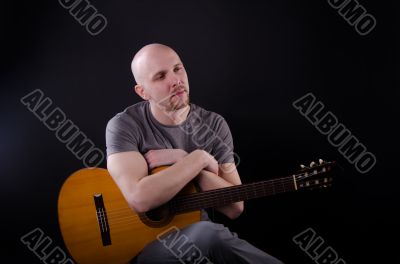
[(176, 82)]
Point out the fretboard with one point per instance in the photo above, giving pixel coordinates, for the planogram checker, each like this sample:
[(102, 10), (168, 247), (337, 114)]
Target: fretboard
[(227, 195)]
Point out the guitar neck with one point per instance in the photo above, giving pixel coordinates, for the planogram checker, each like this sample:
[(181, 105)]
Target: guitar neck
[(227, 195)]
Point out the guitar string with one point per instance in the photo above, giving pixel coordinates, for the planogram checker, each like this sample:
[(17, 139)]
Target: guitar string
[(211, 193), (124, 220), (115, 222), (259, 188), (235, 189), (123, 217), (187, 203), (115, 218)]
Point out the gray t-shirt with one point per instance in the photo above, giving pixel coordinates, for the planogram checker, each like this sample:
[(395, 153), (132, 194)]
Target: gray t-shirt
[(136, 129)]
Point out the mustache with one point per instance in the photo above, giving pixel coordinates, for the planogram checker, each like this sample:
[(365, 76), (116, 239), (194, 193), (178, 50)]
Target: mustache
[(180, 89)]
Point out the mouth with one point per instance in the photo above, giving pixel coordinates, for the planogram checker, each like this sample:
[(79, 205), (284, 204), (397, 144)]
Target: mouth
[(179, 93)]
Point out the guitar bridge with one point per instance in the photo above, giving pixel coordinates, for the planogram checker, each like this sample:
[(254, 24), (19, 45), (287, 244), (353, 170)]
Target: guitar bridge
[(102, 220)]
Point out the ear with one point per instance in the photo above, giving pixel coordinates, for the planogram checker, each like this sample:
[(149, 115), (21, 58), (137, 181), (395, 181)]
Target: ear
[(141, 92)]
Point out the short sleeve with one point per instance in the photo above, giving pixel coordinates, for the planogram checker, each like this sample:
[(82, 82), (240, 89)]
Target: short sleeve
[(120, 136), (223, 143)]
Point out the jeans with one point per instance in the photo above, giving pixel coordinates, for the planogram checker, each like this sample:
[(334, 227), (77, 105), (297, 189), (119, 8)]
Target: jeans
[(203, 242)]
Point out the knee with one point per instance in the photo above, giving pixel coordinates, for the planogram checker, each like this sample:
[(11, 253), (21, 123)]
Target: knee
[(206, 234)]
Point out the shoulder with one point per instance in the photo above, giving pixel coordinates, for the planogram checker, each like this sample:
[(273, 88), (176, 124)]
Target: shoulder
[(131, 116), (207, 116), (210, 120)]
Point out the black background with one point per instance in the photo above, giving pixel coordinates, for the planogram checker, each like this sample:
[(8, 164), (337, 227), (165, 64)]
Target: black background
[(246, 60)]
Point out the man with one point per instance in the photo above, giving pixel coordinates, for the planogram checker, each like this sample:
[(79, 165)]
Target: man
[(166, 129)]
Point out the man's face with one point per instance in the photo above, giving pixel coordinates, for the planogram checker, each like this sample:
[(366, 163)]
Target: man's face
[(165, 81)]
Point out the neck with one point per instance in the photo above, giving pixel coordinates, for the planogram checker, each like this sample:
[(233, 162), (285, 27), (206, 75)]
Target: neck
[(227, 195), (169, 118)]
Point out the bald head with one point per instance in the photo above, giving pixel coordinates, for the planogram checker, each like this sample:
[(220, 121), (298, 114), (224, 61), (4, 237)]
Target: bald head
[(161, 77), (147, 58)]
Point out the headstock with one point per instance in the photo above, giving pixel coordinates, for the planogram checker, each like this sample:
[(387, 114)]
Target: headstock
[(317, 175)]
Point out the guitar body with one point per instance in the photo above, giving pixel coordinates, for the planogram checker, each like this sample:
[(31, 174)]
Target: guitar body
[(97, 224)]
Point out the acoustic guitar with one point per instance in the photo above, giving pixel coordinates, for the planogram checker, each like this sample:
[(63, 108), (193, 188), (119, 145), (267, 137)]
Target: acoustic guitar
[(98, 226)]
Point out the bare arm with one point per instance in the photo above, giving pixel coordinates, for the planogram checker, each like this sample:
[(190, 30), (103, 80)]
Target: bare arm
[(229, 176), (129, 170)]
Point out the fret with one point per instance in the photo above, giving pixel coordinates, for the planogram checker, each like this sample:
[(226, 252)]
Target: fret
[(273, 189), (228, 195)]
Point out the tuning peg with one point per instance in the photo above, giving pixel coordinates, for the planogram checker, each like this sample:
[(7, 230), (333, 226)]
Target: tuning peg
[(312, 164), (321, 161), (303, 166)]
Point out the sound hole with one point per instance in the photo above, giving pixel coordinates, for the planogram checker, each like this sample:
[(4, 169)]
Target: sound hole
[(157, 214), (157, 217)]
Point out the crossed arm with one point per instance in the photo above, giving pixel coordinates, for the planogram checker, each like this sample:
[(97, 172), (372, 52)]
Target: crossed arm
[(226, 175), (129, 170)]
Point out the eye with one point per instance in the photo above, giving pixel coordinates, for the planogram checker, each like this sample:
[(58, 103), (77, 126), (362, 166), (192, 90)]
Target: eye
[(177, 69), (160, 77)]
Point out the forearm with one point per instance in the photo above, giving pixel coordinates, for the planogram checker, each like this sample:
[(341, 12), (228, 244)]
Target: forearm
[(210, 181), (156, 189)]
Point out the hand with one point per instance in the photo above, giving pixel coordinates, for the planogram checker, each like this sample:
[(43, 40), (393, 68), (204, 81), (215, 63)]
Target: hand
[(159, 157), (212, 163)]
